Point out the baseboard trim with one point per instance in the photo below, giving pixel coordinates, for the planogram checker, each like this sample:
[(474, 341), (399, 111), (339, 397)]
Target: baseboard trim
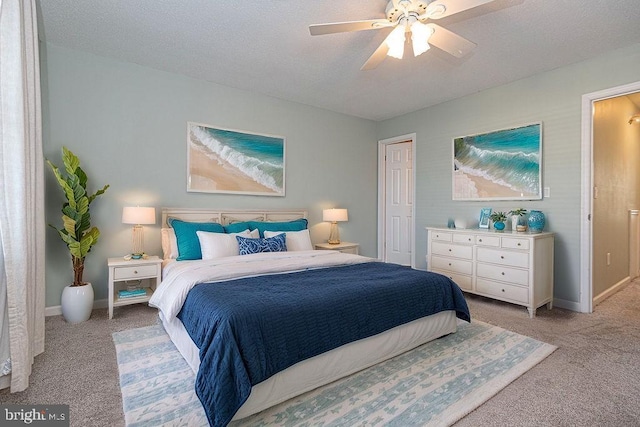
[(566, 304), (612, 290), (56, 310)]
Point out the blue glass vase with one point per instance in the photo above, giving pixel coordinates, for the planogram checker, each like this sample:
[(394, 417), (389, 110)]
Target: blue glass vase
[(536, 221), (498, 225)]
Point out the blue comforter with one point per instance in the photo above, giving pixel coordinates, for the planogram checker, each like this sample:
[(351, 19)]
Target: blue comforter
[(252, 328)]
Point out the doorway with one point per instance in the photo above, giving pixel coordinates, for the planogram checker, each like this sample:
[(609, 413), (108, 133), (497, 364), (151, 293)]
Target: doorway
[(396, 195), (589, 192)]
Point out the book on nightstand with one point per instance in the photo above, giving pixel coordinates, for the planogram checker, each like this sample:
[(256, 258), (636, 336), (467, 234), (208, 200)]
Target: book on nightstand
[(123, 293)]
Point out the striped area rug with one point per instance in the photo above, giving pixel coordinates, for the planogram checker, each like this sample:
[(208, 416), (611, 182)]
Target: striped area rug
[(435, 384)]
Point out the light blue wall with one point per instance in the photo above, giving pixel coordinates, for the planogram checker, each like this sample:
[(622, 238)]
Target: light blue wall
[(127, 124), (553, 98)]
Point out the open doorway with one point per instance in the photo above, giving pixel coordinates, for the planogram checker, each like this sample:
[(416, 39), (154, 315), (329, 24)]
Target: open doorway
[(610, 189)]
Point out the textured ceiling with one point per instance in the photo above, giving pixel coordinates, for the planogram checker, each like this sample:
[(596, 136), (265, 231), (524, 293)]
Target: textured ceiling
[(265, 46)]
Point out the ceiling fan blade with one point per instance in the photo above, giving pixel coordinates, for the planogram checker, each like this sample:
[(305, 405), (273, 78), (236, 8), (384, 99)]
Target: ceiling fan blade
[(377, 57), (442, 8), (449, 41), (345, 27)]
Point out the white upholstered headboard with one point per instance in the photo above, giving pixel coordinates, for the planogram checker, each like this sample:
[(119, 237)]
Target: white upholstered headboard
[(229, 216)]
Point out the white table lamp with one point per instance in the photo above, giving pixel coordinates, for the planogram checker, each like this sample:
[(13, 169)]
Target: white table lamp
[(138, 216), (333, 216)]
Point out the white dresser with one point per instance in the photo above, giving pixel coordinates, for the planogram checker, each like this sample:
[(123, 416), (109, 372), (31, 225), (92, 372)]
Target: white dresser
[(512, 267)]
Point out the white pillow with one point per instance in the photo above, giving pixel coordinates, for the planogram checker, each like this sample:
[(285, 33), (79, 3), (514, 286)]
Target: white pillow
[(296, 240), (169, 243), (219, 245)]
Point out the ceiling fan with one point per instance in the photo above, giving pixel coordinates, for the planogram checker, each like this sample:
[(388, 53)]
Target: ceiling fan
[(409, 17)]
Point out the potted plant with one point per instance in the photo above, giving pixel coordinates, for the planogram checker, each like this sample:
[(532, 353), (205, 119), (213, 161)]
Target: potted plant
[(516, 215), (77, 233), (498, 219)]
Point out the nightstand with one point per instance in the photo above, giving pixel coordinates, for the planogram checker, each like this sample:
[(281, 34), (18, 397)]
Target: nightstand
[(147, 271), (346, 247)]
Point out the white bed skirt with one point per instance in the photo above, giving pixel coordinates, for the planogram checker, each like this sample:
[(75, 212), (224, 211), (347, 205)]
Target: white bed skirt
[(326, 367)]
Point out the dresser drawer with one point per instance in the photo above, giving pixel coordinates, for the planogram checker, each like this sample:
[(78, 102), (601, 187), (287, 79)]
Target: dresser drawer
[(503, 257), (464, 238), (458, 251), (507, 274), (488, 241), (450, 264), (120, 273), (515, 243), (440, 236), (464, 282), (502, 291)]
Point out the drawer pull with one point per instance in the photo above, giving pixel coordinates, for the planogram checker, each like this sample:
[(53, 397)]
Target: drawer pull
[(502, 273), (469, 239), (449, 264), (479, 240), (519, 244), (449, 250), (501, 256), (135, 271), (503, 290)]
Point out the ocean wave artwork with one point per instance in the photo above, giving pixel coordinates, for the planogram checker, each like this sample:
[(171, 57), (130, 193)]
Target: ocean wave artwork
[(228, 161), (504, 165)]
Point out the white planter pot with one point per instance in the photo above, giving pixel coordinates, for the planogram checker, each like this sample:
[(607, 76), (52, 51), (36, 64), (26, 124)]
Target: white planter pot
[(514, 222), (77, 303)]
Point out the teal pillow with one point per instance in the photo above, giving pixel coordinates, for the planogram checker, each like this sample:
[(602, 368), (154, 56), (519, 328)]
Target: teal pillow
[(188, 243), (276, 243), (295, 225), (237, 227)]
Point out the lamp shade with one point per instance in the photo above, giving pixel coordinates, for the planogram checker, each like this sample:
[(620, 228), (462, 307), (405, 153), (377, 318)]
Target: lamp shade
[(138, 215), (335, 215)]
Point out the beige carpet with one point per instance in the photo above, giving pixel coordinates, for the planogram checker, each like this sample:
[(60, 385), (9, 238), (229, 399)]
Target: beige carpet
[(593, 378)]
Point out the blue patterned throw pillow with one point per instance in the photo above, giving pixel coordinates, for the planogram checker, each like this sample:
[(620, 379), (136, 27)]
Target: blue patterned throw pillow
[(269, 244)]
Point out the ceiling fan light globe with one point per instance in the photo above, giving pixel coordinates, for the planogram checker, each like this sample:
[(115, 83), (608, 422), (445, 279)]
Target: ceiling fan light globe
[(395, 41), (420, 34), (419, 48)]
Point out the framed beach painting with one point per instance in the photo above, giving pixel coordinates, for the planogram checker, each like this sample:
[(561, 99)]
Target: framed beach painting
[(234, 162), (504, 164)]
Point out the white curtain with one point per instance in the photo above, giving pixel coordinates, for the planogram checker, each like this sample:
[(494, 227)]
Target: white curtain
[(22, 221)]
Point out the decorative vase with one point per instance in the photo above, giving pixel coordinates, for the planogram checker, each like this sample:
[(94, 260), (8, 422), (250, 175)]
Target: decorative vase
[(77, 303), (536, 221), (498, 225), (514, 222)]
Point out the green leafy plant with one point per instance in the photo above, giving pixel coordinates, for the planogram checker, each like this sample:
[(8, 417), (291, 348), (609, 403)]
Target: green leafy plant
[(76, 231), (498, 216), (519, 212)]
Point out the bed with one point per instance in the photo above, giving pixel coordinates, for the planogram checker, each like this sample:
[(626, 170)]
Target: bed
[(303, 325)]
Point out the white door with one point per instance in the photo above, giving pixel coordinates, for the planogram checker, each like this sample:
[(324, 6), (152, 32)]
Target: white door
[(398, 202)]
